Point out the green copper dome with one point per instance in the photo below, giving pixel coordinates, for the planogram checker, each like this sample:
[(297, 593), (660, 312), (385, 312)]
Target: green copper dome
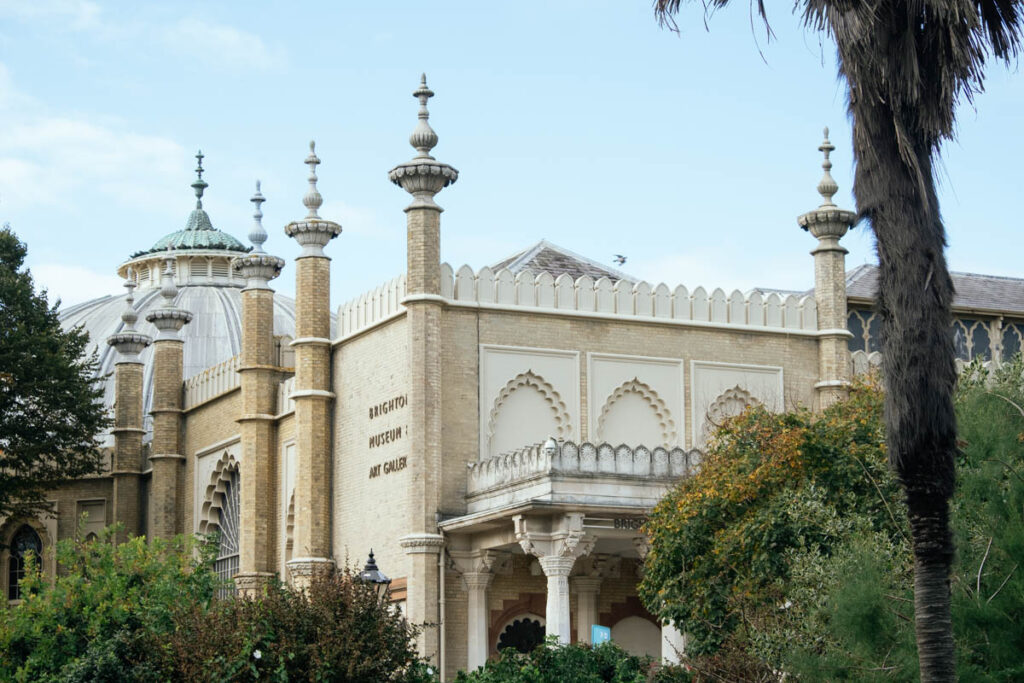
[(199, 232)]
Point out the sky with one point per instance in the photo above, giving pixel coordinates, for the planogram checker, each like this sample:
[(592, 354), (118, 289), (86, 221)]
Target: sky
[(583, 123)]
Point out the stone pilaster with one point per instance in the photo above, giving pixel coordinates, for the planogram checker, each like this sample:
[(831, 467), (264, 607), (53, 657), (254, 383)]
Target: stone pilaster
[(478, 568), (586, 589), (312, 395), (828, 223), (166, 458), (128, 430), (423, 177), (556, 543), (259, 380), (423, 589)]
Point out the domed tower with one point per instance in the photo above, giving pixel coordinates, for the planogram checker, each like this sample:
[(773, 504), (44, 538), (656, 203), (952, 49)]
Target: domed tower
[(200, 258)]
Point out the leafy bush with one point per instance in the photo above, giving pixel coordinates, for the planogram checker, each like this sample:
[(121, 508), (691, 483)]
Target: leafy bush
[(108, 601), (337, 630), (772, 486), (147, 612), (551, 663)]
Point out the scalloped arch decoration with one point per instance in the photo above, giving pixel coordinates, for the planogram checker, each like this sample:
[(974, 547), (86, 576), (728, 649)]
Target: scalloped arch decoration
[(213, 498), (652, 399), (553, 401), (729, 403)]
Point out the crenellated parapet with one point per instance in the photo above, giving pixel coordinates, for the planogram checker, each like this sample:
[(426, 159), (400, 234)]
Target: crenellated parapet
[(604, 297), (212, 382), (370, 308)]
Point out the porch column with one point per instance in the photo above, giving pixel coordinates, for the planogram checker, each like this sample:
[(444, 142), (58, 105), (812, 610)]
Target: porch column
[(477, 584), (556, 543), (673, 644), (586, 589)]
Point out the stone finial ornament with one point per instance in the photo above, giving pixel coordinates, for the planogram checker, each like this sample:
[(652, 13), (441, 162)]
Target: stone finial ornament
[(312, 232), (168, 287), (827, 187), (828, 222), (257, 235), (130, 317), (423, 138), (312, 201), (423, 176), (258, 267), (199, 185), (129, 342), (167, 318)]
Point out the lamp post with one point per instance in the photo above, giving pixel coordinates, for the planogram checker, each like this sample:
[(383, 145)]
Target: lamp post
[(375, 577)]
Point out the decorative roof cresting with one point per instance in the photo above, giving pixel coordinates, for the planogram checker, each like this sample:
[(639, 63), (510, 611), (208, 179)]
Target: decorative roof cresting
[(423, 176), (312, 232)]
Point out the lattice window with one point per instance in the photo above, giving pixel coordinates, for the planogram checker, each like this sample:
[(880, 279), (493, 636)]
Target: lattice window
[(522, 634), (866, 327), (25, 540), (971, 339), (855, 324), (226, 565), (1013, 339)]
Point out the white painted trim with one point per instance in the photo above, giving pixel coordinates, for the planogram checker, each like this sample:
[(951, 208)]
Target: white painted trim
[(206, 450), (593, 411)]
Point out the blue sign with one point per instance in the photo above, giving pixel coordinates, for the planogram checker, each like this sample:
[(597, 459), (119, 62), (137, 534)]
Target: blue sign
[(600, 634)]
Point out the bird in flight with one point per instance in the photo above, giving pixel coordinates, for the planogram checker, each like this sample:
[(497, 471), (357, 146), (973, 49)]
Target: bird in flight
[(619, 259)]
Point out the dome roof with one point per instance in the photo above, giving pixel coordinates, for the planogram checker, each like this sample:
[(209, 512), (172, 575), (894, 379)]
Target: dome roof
[(199, 233), (213, 336)]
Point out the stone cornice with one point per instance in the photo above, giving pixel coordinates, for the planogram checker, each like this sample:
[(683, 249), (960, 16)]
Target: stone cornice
[(312, 234), (421, 543)]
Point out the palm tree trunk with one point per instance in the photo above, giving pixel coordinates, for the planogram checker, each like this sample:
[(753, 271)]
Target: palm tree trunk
[(895, 190)]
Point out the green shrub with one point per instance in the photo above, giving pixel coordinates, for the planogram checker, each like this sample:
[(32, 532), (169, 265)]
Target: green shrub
[(337, 630), (94, 620), (551, 663)]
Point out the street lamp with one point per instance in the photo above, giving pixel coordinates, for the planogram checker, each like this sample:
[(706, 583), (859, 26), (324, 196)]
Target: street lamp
[(375, 577)]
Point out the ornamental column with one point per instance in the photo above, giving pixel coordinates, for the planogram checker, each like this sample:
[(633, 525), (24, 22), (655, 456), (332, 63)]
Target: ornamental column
[(258, 372), (556, 545), (828, 223), (312, 395), (586, 586), (423, 177), (128, 431), (478, 568), (166, 458)]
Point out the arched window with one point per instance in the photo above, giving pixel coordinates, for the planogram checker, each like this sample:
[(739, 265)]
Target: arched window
[(226, 565), (25, 540), (523, 634)]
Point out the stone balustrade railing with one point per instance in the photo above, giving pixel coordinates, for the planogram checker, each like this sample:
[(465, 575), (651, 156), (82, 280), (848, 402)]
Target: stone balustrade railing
[(285, 402), (628, 299), (585, 459), (212, 382), (372, 307)]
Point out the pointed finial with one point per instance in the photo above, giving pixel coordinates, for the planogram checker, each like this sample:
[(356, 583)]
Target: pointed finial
[(258, 235), (168, 288), (130, 317), (423, 138), (312, 200), (827, 187), (199, 185)]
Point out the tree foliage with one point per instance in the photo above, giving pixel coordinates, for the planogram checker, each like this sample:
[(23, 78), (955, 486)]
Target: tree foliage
[(771, 485), (50, 410), (553, 663), (836, 601), (142, 611)]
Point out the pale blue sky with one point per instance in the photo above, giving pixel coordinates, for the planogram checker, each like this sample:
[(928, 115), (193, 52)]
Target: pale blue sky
[(580, 122)]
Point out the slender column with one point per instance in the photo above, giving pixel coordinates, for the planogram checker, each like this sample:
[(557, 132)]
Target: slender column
[(586, 589), (673, 644), (556, 543), (828, 223), (166, 458), (258, 496), (312, 395), (478, 568), (128, 430), (423, 177)]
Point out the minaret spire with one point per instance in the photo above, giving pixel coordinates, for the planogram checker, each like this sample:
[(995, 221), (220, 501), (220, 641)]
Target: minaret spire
[(258, 235), (199, 185), (423, 138), (312, 200), (827, 187)]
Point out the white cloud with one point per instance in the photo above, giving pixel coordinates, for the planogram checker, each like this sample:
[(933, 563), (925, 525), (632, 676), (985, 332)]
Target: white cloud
[(72, 14), (73, 284), (221, 44)]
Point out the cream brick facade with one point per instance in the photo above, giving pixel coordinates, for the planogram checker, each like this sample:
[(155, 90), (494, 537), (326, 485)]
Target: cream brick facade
[(453, 420)]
